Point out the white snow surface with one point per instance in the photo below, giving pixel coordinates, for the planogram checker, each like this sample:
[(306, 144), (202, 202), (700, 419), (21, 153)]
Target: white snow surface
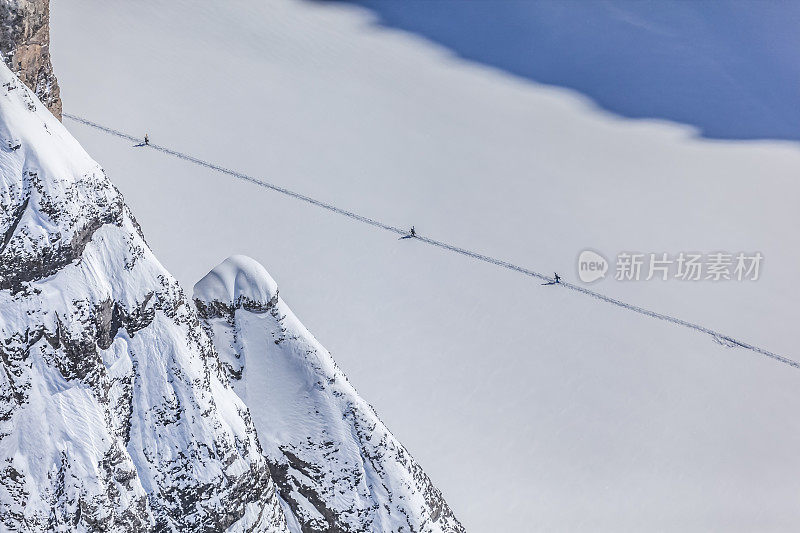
[(114, 415), (530, 408), (337, 466)]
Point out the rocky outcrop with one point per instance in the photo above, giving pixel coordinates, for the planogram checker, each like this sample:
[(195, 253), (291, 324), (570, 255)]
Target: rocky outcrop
[(25, 45), (116, 414), (337, 467)]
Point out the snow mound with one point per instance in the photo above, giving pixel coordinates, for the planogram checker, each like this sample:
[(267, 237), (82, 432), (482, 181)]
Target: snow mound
[(236, 277)]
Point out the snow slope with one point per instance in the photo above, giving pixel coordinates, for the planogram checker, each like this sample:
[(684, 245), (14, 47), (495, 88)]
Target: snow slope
[(565, 414), (338, 468), (115, 414)]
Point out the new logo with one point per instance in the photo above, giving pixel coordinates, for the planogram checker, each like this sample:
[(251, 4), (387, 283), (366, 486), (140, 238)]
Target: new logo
[(591, 266)]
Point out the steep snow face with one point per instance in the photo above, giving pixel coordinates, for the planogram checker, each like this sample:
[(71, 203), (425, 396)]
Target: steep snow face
[(338, 468), (115, 414)]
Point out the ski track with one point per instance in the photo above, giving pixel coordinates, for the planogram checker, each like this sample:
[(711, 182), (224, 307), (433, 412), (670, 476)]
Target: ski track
[(720, 338)]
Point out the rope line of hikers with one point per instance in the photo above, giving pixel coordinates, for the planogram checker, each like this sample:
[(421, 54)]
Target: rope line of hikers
[(555, 280)]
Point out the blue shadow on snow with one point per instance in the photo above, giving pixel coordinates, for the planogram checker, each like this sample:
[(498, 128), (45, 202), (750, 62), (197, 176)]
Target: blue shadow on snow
[(731, 68)]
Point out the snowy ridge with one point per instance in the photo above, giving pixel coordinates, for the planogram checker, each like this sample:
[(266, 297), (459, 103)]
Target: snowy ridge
[(114, 412), (337, 467)]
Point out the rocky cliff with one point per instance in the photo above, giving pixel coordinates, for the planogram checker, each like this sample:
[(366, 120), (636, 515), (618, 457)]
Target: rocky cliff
[(115, 411), (25, 45)]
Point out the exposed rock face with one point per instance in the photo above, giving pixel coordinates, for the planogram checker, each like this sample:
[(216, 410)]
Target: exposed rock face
[(25, 45), (337, 467), (115, 412)]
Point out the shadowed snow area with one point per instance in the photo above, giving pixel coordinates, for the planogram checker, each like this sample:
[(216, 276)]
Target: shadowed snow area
[(729, 67), (530, 407)]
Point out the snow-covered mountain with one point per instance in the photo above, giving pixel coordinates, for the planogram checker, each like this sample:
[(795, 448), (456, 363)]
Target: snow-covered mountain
[(337, 466), (115, 413)]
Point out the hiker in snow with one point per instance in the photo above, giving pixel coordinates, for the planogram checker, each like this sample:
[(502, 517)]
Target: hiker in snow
[(556, 279), (146, 139), (410, 234)]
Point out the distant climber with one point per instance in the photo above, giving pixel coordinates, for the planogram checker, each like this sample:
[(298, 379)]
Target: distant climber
[(556, 279), (410, 234), (146, 139)]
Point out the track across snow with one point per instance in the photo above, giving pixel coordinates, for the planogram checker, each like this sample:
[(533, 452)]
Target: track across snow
[(722, 339)]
